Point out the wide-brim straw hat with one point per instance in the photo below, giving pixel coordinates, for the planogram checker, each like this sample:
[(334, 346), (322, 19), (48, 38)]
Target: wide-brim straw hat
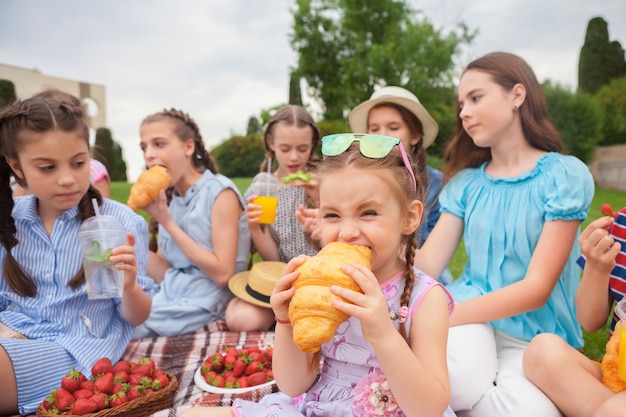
[(398, 95), (256, 285)]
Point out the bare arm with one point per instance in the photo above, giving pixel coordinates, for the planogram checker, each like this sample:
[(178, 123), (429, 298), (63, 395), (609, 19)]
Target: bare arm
[(157, 266), (546, 265), (593, 300), (437, 251)]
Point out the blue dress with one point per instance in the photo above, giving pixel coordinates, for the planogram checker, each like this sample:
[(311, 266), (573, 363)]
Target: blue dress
[(58, 318), (349, 361), (503, 220), (187, 299)]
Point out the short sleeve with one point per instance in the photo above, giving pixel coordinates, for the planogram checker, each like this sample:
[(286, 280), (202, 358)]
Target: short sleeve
[(452, 198), (569, 190)]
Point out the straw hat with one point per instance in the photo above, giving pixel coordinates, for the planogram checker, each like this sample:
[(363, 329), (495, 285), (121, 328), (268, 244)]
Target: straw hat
[(398, 95), (256, 286)]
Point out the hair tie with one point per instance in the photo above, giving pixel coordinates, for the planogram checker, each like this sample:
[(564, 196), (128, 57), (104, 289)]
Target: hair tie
[(400, 315)]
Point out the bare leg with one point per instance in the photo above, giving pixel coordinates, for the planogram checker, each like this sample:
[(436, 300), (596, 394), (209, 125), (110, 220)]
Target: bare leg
[(569, 378), (242, 316), (613, 407), (208, 412), (8, 399)]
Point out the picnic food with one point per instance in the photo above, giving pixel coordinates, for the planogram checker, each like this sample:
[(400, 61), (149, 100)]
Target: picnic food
[(238, 368), (610, 362), (312, 315), (607, 210), (298, 178), (148, 186), (110, 387)]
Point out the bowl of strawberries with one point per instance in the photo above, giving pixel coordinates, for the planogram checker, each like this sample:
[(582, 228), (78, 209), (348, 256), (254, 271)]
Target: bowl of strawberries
[(123, 389), (236, 370)]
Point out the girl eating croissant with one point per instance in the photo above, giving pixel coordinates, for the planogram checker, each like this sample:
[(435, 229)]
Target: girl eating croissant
[(389, 356)]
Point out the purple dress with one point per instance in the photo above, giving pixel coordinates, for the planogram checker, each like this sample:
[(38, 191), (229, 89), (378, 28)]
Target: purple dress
[(348, 359)]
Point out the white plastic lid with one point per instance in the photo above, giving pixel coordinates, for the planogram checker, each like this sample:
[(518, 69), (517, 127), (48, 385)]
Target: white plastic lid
[(620, 309)]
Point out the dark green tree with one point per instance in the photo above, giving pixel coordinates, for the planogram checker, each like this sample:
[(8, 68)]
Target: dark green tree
[(347, 47), (7, 93), (109, 152), (600, 60), (295, 93), (254, 126), (240, 156), (578, 117), (612, 101)]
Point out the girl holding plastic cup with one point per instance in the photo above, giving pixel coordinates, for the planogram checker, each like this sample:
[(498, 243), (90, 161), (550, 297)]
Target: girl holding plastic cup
[(45, 312), (291, 138)]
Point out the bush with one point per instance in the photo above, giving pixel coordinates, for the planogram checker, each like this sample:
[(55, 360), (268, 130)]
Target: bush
[(240, 156), (612, 101)]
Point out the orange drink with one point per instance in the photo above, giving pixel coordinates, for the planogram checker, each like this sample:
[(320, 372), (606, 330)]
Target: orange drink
[(620, 309), (269, 204)]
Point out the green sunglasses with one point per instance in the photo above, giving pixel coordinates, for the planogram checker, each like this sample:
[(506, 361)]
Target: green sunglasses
[(371, 146)]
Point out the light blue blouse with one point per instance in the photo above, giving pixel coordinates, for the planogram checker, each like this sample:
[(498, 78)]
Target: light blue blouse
[(87, 329), (503, 219), (187, 299)]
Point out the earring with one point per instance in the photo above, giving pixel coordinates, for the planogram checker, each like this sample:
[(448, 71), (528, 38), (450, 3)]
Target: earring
[(515, 107)]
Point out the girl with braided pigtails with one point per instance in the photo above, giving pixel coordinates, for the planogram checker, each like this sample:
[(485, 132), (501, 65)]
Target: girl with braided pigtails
[(203, 237), (45, 312)]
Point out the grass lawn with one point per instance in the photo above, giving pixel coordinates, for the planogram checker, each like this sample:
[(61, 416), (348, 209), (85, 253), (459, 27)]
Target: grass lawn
[(594, 342)]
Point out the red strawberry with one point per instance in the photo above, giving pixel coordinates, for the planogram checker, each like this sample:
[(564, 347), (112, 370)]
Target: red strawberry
[(118, 399), (230, 381), (229, 361), (84, 406), (120, 376), (120, 387), (216, 362), (159, 382), (149, 362), (135, 392), (254, 366), (143, 370), (71, 381), (83, 393), (257, 378), (218, 381), (101, 400), (121, 366), (239, 367), (87, 385), (63, 399), (104, 383), (102, 366), (231, 351), (242, 382), (607, 210), (48, 403)]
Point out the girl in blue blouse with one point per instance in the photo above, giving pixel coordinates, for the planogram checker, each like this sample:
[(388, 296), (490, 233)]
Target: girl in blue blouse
[(203, 237), (48, 324), (518, 203)]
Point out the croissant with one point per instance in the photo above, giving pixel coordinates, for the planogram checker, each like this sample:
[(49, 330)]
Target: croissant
[(147, 187), (313, 317), (610, 361)]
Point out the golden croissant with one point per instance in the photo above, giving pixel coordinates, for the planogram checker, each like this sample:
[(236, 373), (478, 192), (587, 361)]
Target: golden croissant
[(148, 186), (610, 361), (313, 317)]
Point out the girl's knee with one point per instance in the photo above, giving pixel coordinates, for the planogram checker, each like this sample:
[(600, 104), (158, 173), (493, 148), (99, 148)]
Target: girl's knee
[(544, 356)]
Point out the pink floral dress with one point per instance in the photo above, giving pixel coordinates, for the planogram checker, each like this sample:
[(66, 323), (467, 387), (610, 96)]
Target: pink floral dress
[(351, 382)]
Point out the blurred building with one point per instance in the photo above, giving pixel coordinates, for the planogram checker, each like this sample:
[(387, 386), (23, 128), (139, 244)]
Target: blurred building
[(31, 81)]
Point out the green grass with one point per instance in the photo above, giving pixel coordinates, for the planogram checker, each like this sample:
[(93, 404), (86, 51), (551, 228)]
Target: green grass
[(594, 342)]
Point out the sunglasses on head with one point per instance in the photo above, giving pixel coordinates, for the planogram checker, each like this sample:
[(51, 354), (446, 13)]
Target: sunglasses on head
[(371, 146)]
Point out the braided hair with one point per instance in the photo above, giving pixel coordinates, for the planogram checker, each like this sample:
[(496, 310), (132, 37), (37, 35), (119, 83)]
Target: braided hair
[(18, 121), (184, 127)]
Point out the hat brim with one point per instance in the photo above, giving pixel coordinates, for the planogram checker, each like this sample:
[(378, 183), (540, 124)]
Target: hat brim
[(358, 116), (238, 285)]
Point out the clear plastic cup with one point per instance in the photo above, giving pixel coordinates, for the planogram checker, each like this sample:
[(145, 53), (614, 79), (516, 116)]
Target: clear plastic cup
[(266, 186), (620, 310), (98, 235)]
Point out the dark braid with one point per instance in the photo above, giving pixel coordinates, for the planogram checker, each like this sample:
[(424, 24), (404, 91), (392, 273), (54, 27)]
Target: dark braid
[(409, 279), (17, 121)]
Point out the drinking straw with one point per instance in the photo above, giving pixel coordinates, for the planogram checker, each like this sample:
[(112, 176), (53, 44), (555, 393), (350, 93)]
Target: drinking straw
[(96, 208), (269, 171)]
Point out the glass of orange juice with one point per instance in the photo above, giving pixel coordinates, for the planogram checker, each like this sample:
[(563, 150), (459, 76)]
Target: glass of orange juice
[(266, 187)]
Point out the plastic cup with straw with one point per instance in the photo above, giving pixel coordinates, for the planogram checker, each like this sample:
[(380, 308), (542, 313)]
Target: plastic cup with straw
[(266, 186), (98, 235)]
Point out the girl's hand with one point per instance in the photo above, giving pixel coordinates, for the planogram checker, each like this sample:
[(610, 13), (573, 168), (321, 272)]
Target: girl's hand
[(598, 246), (253, 212), (283, 290), (158, 209), (309, 218), (370, 307), (124, 258)]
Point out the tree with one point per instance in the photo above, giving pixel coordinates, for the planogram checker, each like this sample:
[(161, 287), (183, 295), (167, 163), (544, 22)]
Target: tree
[(612, 101), (7, 93), (578, 117), (295, 93), (600, 60), (253, 126), (239, 156), (109, 152), (347, 47)]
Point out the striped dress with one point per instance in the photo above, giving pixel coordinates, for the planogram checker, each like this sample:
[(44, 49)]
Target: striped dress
[(64, 328)]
